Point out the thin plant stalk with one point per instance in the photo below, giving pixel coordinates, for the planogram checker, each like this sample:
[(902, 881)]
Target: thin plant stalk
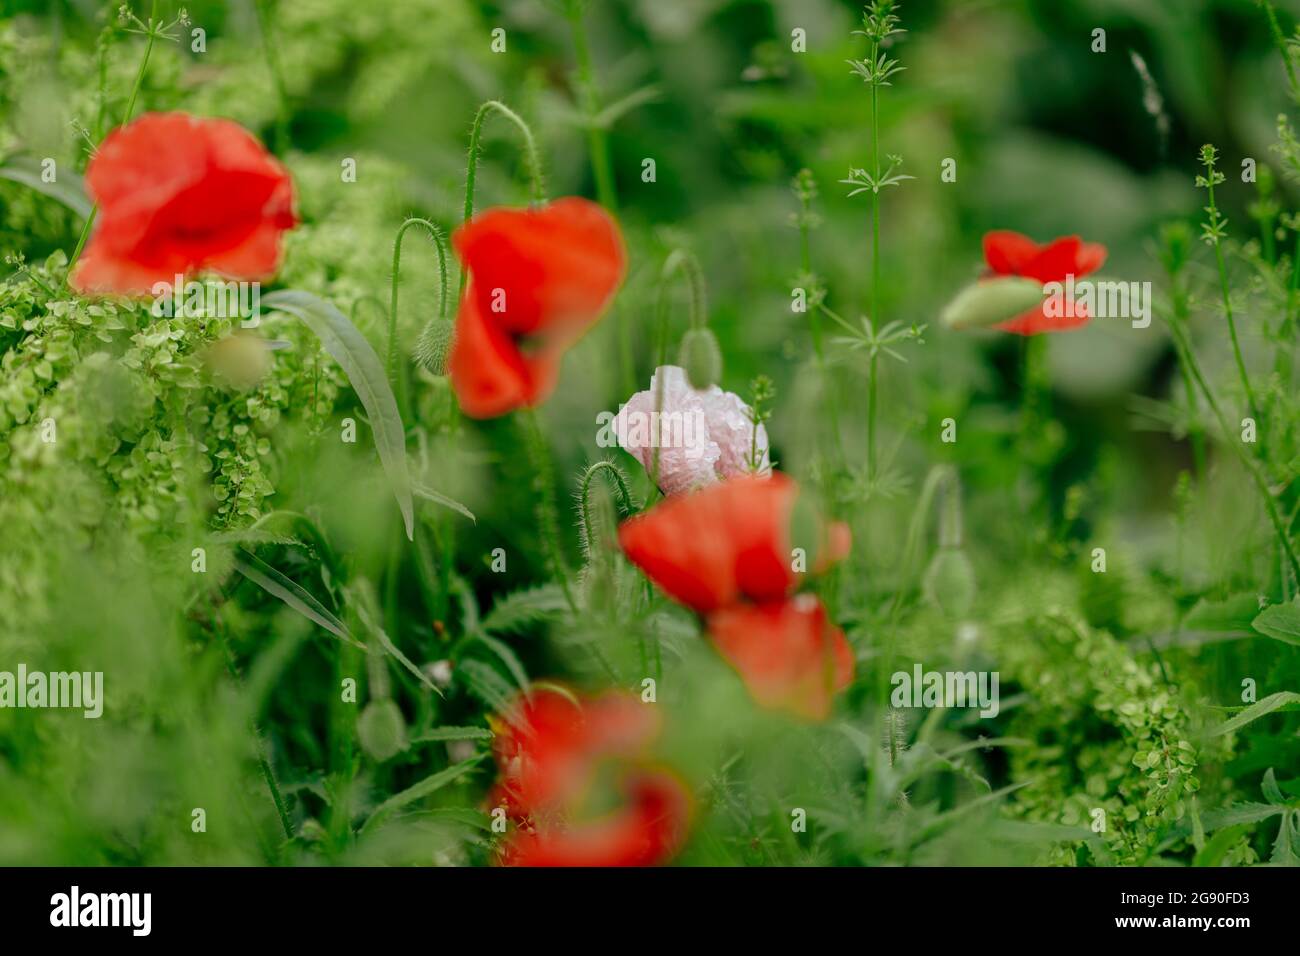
[(277, 75), (531, 160), (439, 239), (150, 34)]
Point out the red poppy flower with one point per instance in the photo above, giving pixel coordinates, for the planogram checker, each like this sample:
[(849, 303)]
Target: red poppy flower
[(1012, 254), (713, 547), (178, 194), (789, 655), (550, 755), (646, 831), (538, 279)]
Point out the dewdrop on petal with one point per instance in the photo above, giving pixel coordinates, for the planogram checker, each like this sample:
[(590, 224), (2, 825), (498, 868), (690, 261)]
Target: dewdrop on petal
[(701, 357), (435, 345)]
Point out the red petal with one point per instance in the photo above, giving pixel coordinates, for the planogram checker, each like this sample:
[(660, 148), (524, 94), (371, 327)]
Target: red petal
[(180, 194), (788, 654), (708, 548), (1091, 257), (1008, 253), (551, 745), (1037, 321), (647, 831), (550, 270), (488, 372)]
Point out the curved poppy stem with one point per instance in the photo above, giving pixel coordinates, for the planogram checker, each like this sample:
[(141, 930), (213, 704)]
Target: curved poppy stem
[(531, 159), (680, 260), (440, 243), (619, 481)]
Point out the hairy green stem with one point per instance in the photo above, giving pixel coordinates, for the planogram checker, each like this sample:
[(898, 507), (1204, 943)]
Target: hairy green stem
[(532, 160), (439, 239), (548, 518), (685, 262)]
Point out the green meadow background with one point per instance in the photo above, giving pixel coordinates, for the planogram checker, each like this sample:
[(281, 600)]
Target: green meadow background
[(1119, 690)]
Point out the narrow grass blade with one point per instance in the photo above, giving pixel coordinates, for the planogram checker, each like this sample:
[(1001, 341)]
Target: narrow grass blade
[(366, 373)]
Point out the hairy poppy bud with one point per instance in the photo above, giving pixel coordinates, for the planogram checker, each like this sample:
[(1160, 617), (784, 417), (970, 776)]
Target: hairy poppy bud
[(950, 582), (435, 345), (381, 729), (991, 301), (701, 358)]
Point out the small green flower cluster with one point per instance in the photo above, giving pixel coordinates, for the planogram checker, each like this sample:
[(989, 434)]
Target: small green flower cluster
[(1109, 735)]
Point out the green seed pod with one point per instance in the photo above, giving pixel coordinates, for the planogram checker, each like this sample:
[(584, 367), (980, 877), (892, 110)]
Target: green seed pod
[(991, 301), (435, 345), (950, 582), (701, 357), (381, 729)]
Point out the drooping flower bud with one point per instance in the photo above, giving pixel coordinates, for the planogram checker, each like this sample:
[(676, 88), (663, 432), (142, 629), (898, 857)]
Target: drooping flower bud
[(434, 346), (991, 301), (701, 357), (381, 729)]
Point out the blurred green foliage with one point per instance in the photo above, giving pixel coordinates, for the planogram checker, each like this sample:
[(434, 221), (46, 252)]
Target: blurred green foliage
[(223, 697)]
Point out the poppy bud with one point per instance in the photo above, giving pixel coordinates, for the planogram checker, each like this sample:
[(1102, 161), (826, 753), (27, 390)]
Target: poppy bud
[(701, 358), (435, 345), (991, 301), (950, 582), (381, 729)]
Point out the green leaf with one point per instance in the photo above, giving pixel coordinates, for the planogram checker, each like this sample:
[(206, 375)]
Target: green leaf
[(422, 789), (521, 609), (1280, 622), (1218, 845), (507, 657), (386, 642), (991, 301), (1269, 785), (488, 686), (1232, 614), (364, 370), (1238, 814), (291, 593), (438, 497), (69, 190), (1286, 848), (1255, 711), (453, 733)]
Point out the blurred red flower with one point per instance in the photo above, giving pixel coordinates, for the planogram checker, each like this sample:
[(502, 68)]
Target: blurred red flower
[(1011, 254), (538, 279), (728, 541), (789, 655), (551, 751), (179, 194), (727, 551)]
